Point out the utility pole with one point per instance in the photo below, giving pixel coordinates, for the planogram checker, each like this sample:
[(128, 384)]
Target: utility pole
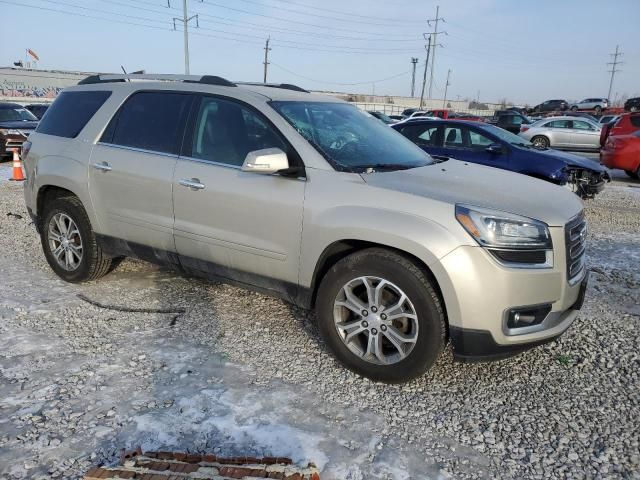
[(613, 70), (266, 58), (414, 61), (435, 34), (446, 86), (185, 24), (424, 77)]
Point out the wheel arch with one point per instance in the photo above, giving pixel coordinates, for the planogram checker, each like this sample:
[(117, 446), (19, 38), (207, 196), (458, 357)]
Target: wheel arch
[(340, 249)]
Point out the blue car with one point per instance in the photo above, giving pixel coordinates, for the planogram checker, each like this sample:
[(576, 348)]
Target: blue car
[(486, 144)]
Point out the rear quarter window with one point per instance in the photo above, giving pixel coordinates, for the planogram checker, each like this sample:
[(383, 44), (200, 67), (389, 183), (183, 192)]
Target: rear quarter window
[(71, 111)]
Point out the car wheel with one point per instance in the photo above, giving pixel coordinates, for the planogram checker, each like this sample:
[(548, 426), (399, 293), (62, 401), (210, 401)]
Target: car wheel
[(574, 109), (380, 315), (633, 109), (540, 142), (635, 174), (69, 242), (598, 110)]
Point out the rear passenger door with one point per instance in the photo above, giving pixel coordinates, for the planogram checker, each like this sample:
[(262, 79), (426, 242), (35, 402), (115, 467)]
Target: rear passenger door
[(131, 168), (242, 226), (426, 136)]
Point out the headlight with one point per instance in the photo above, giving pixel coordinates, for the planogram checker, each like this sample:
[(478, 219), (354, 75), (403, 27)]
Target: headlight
[(10, 131), (501, 230)]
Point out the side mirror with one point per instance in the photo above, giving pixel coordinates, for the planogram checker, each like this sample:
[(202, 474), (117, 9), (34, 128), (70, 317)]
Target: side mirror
[(494, 148), (266, 161)]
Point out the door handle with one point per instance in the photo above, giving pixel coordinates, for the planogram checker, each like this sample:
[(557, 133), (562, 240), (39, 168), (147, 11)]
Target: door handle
[(104, 166), (192, 183)]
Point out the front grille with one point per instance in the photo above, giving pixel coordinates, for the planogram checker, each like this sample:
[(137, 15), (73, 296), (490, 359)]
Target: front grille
[(575, 233)]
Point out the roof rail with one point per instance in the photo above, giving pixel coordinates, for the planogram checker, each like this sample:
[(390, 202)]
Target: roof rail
[(285, 86), (205, 79)]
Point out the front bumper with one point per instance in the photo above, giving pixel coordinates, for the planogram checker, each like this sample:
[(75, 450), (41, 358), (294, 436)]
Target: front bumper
[(479, 293), (479, 345)]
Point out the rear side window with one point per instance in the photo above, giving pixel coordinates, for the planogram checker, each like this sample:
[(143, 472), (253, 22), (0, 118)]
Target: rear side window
[(635, 120), (70, 113), (150, 121)]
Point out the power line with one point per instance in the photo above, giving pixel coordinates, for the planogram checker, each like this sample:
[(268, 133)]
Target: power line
[(350, 14), (252, 26), (323, 27), (613, 70), (338, 83)]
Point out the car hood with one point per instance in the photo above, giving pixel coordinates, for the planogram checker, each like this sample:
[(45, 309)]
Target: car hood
[(19, 125), (572, 160), (455, 181)]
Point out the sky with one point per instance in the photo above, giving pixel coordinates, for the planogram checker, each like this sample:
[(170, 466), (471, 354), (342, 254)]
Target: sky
[(520, 51)]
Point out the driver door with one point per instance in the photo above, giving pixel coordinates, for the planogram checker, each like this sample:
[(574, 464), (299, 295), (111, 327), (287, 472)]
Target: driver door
[(241, 226)]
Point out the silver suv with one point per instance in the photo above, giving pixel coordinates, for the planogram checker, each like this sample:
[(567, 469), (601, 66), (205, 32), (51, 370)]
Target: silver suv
[(310, 199)]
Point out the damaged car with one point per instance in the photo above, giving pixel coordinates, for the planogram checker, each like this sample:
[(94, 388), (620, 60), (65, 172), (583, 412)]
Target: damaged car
[(494, 147)]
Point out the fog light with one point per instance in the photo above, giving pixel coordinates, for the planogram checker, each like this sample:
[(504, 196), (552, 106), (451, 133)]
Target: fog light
[(527, 316)]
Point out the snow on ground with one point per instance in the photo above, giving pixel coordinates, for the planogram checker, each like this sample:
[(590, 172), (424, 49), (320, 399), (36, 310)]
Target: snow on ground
[(241, 373)]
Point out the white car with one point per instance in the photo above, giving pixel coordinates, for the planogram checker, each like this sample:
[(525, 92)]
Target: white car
[(569, 133)]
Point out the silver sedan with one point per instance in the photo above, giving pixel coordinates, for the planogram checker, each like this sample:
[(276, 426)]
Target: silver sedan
[(569, 133)]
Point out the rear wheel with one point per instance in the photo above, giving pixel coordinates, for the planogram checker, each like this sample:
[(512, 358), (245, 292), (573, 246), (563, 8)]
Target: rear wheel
[(598, 109), (69, 242), (574, 109), (379, 314), (540, 141)]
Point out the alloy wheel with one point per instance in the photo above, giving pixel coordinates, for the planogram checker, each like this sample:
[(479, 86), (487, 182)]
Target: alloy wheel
[(376, 320), (65, 241)]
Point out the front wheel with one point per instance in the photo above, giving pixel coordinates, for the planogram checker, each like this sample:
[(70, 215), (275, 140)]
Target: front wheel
[(540, 142), (633, 174), (380, 315), (574, 109), (69, 242), (598, 110)]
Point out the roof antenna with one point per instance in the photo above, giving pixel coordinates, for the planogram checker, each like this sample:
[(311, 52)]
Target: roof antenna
[(125, 72)]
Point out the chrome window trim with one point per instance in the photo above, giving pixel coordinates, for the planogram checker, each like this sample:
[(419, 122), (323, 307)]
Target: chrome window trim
[(210, 162), (135, 149)]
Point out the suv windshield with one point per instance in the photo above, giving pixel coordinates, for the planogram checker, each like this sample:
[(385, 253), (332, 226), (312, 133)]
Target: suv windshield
[(505, 136), (16, 115), (350, 139)]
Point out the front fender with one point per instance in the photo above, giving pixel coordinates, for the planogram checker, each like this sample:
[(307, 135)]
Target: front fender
[(418, 236)]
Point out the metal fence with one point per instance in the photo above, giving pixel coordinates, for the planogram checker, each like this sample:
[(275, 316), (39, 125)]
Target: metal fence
[(393, 109)]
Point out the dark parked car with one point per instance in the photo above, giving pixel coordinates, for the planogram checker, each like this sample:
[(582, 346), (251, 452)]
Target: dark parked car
[(16, 123), (492, 146), (550, 106), (382, 117), (38, 109), (632, 105), (509, 120)]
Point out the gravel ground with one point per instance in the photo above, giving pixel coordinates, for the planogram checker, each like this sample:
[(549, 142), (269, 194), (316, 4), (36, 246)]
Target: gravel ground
[(243, 373)]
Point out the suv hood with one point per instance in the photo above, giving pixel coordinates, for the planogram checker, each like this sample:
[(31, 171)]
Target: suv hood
[(455, 181), (573, 160), (19, 125)]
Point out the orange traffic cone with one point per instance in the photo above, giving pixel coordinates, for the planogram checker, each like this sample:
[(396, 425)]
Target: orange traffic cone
[(18, 174)]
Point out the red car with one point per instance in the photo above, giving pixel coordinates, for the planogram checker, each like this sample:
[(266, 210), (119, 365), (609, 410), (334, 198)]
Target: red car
[(623, 152), (626, 124)]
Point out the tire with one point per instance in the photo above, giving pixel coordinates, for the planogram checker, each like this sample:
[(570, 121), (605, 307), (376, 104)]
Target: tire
[(92, 263), (635, 175), (598, 110), (427, 330), (540, 141), (633, 109), (574, 109)]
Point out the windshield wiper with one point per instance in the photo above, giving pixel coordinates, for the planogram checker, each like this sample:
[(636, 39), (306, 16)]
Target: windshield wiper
[(382, 167)]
